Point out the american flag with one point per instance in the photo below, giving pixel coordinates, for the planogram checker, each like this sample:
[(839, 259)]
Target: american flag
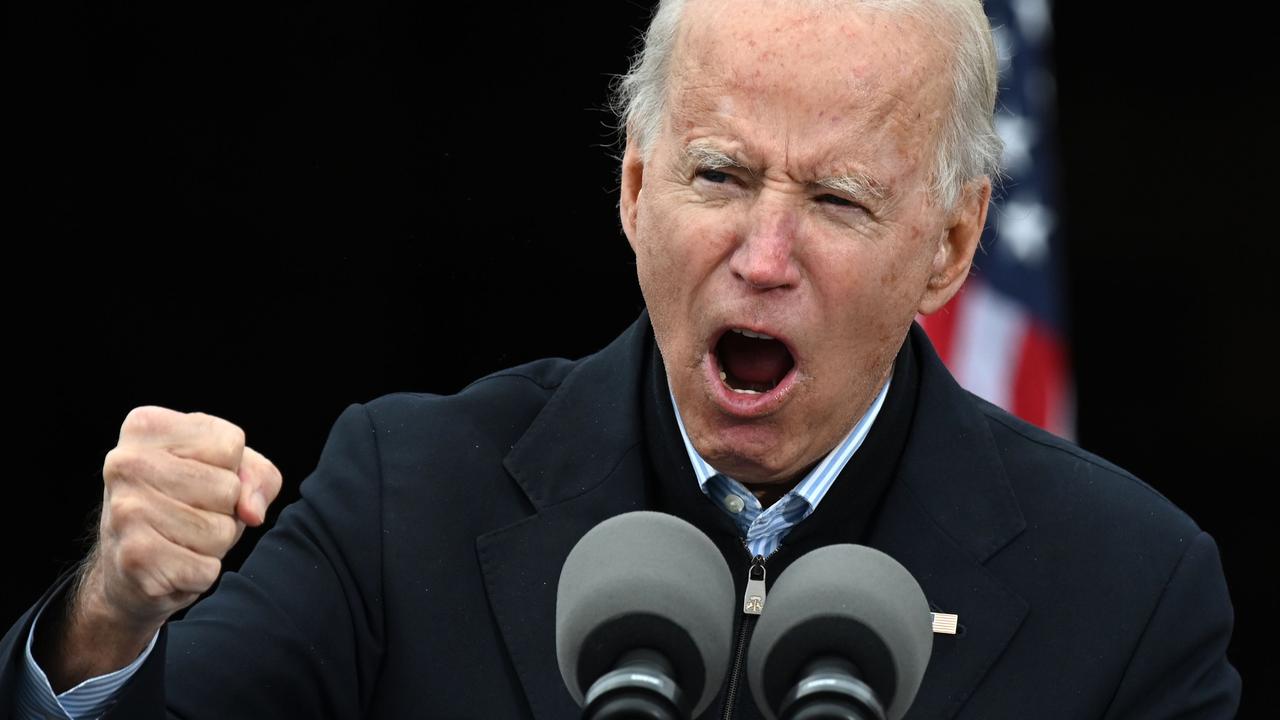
[(1002, 336)]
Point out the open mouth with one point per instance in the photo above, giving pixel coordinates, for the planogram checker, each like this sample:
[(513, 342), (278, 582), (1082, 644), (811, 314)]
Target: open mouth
[(752, 363)]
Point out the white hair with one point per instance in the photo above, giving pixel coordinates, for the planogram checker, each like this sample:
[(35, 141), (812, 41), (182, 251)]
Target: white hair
[(968, 145)]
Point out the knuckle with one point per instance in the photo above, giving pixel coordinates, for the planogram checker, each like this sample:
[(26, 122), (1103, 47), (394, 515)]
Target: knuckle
[(233, 442), (228, 443), (188, 526), (224, 531), (218, 424), (124, 510), (144, 420), (134, 559), (237, 436), (122, 463), (222, 439), (226, 489), (200, 527), (213, 571), (153, 586), (203, 573)]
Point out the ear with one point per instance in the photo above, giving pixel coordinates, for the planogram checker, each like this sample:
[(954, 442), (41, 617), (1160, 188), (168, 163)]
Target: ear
[(632, 183), (957, 245)]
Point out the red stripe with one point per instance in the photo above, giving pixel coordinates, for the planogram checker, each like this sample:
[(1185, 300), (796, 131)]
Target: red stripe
[(941, 326), (1040, 382)]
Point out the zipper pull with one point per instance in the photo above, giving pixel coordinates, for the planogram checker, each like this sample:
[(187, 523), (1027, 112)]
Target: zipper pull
[(753, 601)]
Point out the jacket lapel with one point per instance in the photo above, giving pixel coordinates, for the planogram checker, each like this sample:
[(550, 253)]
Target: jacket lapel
[(580, 462), (949, 511)]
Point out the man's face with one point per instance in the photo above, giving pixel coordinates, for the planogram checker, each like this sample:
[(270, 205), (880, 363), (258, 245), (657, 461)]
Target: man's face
[(787, 196)]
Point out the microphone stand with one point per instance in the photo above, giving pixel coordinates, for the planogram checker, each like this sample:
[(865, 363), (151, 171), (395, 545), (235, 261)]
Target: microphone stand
[(639, 688)]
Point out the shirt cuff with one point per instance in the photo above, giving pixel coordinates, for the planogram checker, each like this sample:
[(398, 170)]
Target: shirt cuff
[(90, 699)]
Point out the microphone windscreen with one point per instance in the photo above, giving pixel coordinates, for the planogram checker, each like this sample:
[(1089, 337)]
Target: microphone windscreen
[(645, 580), (847, 601)]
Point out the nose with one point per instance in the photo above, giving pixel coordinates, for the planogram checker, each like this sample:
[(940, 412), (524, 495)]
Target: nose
[(765, 258)]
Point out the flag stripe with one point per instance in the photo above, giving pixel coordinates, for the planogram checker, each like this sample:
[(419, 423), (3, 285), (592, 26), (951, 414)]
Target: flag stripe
[(1002, 336), (985, 348), (1039, 394)]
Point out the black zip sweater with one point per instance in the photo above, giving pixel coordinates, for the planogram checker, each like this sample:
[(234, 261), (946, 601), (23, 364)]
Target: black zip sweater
[(845, 515)]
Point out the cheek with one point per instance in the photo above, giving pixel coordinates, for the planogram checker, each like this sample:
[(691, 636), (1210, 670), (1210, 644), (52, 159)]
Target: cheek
[(677, 247), (650, 238), (653, 255), (658, 262), (873, 292), (901, 282), (904, 267)]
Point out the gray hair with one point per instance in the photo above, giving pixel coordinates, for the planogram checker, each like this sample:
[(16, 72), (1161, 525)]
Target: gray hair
[(968, 144)]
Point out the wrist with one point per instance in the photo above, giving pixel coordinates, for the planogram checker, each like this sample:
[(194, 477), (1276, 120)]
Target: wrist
[(80, 637)]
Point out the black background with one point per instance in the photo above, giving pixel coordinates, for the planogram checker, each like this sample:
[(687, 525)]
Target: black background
[(268, 211)]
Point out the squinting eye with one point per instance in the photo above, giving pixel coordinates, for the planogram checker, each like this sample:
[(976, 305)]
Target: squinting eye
[(714, 176), (837, 200)]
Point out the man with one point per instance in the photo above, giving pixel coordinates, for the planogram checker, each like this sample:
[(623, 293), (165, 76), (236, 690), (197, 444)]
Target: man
[(801, 179)]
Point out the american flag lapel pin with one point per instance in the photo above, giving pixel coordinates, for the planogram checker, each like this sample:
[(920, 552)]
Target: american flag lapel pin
[(945, 623)]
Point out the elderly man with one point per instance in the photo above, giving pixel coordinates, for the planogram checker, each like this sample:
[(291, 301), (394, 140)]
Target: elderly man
[(801, 179)]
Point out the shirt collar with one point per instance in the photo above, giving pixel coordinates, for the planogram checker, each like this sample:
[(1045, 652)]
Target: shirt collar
[(819, 480)]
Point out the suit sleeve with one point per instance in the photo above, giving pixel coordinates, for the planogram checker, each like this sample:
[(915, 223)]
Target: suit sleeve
[(1180, 667), (298, 631)]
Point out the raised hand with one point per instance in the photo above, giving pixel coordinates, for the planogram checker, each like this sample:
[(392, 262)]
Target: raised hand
[(179, 489)]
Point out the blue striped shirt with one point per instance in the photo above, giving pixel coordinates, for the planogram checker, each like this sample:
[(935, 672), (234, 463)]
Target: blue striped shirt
[(90, 699), (764, 528)]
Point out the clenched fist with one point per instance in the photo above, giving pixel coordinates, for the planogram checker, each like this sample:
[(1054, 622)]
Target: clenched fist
[(179, 489)]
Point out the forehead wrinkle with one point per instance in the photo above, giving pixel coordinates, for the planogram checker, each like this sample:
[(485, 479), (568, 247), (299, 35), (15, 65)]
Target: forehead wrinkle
[(914, 88), (725, 72), (882, 115)]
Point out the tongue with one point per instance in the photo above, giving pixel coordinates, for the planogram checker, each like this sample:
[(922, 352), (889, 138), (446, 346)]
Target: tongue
[(752, 360)]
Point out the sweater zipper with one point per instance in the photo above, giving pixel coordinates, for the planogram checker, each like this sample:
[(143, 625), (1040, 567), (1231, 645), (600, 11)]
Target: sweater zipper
[(752, 605)]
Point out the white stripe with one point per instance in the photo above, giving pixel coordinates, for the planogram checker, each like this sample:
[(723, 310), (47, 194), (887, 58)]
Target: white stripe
[(986, 344)]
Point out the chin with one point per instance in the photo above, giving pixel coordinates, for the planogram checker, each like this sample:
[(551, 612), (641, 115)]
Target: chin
[(747, 452)]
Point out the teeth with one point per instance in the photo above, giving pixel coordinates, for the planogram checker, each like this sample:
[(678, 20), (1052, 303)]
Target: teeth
[(724, 377), (744, 392), (748, 333)]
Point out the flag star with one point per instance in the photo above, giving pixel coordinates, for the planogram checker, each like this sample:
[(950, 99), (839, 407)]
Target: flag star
[(1033, 18), (1018, 135), (1024, 231)]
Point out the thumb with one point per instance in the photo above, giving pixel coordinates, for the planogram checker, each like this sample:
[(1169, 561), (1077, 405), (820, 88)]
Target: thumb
[(259, 485)]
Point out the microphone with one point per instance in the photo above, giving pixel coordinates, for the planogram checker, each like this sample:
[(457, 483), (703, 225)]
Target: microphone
[(846, 635), (644, 619)]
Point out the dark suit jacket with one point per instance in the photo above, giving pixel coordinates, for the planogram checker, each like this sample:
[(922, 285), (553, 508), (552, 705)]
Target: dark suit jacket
[(417, 575)]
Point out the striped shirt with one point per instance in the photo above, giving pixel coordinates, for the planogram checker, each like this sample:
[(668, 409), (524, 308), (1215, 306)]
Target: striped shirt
[(90, 699), (764, 528)]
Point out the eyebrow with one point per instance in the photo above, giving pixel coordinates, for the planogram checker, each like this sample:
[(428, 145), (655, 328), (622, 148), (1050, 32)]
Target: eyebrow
[(859, 186), (709, 157)]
